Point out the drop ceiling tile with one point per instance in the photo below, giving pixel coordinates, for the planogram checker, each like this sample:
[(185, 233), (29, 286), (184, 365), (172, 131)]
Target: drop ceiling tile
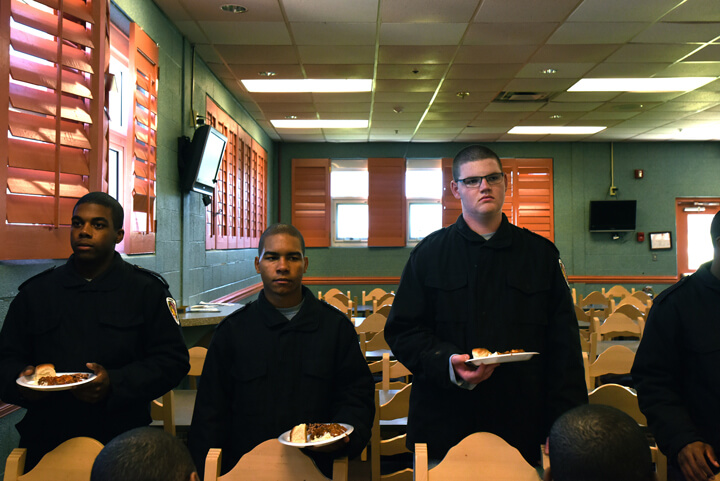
[(683, 106), (259, 54), (390, 131), (563, 107), (337, 54), (705, 115), (528, 33), (391, 117), (596, 33), (252, 71), (450, 116), (403, 97), (483, 70), (282, 98), (494, 54), (646, 96), (363, 71), (650, 53), (615, 134), (334, 33), (599, 115), (564, 70), (487, 130), (346, 137), (626, 70), (479, 137), (500, 116), (408, 72), (451, 97), (545, 116), (709, 53), (612, 10), (401, 124), (573, 53), (427, 11), (330, 10), (407, 107), (421, 33), (406, 85), (513, 106), (695, 11), (637, 107), (433, 137), (639, 123), (585, 96), (443, 124), (253, 33), (667, 32), (691, 69), (462, 106), (340, 111), (298, 137), (473, 85), (488, 126), (539, 85), (503, 11), (341, 97), (661, 115), (403, 54)]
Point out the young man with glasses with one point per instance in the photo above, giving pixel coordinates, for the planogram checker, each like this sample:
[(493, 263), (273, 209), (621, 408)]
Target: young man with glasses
[(484, 282)]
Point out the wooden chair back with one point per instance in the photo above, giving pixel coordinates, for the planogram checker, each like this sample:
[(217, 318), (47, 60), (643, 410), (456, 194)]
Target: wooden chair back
[(616, 292), (643, 297), (384, 310), (632, 301), (396, 410), (71, 461), (197, 361), (633, 312), (478, 456), (595, 299), (625, 399), (341, 303), (163, 410), (392, 370), (372, 324), (272, 461), (376, 293), (385, 300), (330, 293), (616, 325), (582, 316), (375, 343), (614, 360)]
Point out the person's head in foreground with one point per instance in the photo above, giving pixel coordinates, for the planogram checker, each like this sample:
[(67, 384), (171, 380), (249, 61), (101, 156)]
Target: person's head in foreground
[(144, 454), (281, 263), (598, 443)]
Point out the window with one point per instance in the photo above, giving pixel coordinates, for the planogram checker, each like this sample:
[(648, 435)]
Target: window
[(50, 158), (349, 193), (423, 189), (693, 217), (237, 216)]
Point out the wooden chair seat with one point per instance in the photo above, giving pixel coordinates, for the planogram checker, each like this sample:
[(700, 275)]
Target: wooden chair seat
[(71, 461)]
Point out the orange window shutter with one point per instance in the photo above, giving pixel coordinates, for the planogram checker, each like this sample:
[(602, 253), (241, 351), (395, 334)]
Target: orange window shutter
[(53, 74), (387, 207), (140, 227), (529, 197), (311, 200), (451, 207)]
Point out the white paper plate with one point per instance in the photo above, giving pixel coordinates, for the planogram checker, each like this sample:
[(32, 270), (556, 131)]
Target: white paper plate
[(502, 358), (29, 382), (285, 438)]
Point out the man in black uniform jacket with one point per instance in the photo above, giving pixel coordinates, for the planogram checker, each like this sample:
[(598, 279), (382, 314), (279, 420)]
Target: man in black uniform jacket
[(280, 361), (485, 283), (94, 313)]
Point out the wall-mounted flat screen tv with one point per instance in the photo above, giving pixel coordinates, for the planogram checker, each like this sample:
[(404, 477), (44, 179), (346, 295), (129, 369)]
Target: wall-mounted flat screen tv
[(202, 160), (612, 215)]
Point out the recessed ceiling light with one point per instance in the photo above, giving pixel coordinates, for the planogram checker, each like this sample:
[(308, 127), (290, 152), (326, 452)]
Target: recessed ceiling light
[(537, 130), (267, 73), (668, 84), (555, 117), (308, 85), (232, 8), (549, 71), (462, 95), (291, 116), (320, 124)]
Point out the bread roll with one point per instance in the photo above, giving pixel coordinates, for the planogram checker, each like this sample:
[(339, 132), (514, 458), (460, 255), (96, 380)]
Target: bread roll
[(298, 434), (480, 352), (44, 370)]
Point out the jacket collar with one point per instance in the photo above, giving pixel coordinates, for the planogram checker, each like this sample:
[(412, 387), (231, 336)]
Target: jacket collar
[(305, 320), (109, 280), (501, 238), (707, 277)]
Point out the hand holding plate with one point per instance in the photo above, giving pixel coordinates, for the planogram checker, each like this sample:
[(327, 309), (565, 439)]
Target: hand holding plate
[(470, 373), (97, 389)]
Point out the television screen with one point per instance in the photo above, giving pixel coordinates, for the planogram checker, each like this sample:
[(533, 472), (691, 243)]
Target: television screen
[(202, 160), (612, 215)]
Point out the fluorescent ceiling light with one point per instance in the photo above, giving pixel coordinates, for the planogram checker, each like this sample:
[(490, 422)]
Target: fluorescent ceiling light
[(555, 130), (319, 124), (677, 84), (308, 85)]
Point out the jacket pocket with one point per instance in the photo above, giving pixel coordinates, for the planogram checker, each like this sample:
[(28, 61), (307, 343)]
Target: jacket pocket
[(251, 386)]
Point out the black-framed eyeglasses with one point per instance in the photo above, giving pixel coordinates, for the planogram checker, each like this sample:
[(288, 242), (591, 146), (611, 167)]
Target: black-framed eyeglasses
[(491, 179)]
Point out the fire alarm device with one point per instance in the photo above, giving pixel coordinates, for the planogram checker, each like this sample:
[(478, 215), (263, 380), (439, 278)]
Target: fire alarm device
[(639, 173), (641, 237)]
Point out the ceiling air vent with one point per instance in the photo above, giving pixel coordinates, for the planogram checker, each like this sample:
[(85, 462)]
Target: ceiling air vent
[(522, 97)]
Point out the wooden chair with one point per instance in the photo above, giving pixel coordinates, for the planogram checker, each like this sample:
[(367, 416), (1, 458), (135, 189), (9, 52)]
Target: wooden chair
[(632, 301), (375, 343), (162, 411), (373, 323), (596, 303), (376, 293), (197, 361), (71, 461), (616, 292), (614, 360), (616, 325), (633, 312), (272, 461), (385, 300), (342, 303), (392, 370), (625, 399), (384, 310), (330, 293), (391, 413), (477, 457)]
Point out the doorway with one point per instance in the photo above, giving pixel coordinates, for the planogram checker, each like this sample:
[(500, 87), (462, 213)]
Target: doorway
[(692, 219)]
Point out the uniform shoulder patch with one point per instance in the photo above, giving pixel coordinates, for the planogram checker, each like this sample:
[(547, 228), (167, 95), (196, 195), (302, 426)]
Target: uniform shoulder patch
[(36, 276), (564, 272), (172, 306), (152, 273)]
